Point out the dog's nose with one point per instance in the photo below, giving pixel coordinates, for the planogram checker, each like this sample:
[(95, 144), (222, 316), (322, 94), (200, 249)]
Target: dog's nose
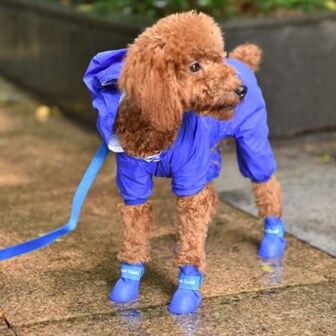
[(241, 91)]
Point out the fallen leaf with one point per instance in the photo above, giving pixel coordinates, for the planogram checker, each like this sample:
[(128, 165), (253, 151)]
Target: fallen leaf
[(324, 158), (43, 113), (267, 268)]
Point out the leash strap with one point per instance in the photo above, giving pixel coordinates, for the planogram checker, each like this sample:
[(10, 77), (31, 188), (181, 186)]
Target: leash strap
[(77, 202)]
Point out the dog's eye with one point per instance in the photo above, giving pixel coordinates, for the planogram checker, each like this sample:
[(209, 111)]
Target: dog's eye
[(195, 67)]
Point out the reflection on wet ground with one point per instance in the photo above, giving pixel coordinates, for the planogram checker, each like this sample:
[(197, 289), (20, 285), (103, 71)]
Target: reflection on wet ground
[(273, 270), (189, 324), (134, 320), (125, 305)]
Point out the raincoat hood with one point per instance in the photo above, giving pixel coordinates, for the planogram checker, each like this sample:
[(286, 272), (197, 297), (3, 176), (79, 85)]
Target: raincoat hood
[(101, 78)]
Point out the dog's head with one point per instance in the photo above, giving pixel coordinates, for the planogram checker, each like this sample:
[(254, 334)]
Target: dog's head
[(178, 65)]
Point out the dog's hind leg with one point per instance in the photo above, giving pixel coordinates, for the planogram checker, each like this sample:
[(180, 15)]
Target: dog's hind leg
[(213, 200), (248, 53), (134, 250)]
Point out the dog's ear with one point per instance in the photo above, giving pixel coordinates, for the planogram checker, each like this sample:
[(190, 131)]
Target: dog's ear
[(150, 79)]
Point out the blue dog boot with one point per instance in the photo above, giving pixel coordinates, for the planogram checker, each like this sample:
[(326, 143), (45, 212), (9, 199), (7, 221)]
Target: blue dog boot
[(187, 298), (273, 243), (127, 287)]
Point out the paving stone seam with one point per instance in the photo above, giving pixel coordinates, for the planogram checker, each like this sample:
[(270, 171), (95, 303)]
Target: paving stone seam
[(9, 325), (148, 308)]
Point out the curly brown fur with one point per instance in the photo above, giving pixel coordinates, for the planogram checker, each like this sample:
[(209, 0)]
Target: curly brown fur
[(268, 198), (213, 195), (160, 85), (193, 215), (250, 54), (137, 135), (136, 222)]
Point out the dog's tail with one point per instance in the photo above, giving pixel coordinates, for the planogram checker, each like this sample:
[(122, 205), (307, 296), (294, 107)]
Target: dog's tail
[(250, 54)]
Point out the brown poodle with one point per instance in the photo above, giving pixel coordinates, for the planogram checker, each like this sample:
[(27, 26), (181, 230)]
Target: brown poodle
[(175, 66), (163, 106)]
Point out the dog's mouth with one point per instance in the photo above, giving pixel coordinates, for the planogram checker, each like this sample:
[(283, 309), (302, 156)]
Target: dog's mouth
[(214, 107), (222, 108), (219, 111)]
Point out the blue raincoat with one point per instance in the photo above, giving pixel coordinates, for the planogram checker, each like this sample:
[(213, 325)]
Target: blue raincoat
[(191, 161)]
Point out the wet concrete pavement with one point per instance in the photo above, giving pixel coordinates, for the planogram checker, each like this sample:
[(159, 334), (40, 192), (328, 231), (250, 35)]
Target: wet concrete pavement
[(63, 289), (306, 169)]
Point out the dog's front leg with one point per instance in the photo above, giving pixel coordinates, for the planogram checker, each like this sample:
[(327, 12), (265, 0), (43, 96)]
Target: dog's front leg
[(134, 249), (136, 221), (268, 198), (193, 216)]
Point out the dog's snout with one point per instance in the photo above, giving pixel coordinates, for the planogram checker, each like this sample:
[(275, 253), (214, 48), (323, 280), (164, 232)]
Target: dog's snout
[(241, 91)]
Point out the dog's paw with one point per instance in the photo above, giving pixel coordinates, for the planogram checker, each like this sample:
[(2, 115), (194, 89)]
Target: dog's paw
[(273, 244), (272, 247), (187, 299)]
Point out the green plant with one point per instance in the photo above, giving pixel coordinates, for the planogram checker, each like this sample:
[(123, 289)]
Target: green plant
[(217, 8), (303, 5)]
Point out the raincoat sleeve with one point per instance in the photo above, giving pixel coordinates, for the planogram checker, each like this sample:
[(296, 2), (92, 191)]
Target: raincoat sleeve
[(254, 153), (250, 130)]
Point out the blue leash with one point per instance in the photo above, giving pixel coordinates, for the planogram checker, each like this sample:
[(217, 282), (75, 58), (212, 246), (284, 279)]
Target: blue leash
[(77, 202)]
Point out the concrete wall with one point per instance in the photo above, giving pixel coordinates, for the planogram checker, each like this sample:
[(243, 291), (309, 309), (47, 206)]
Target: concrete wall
[(47, 50), (298, 74)]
